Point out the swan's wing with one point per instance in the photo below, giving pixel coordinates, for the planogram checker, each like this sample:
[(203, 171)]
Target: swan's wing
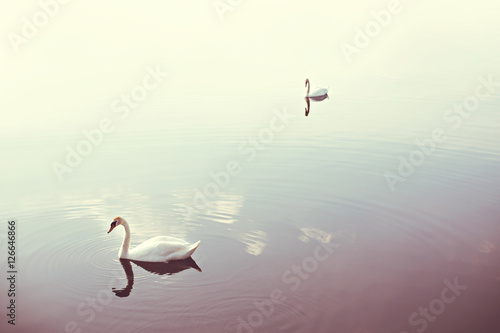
[(318, 92), (166, 239), (158, 249)]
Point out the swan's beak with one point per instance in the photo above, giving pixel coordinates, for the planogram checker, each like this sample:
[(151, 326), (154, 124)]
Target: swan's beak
[(113, 225)]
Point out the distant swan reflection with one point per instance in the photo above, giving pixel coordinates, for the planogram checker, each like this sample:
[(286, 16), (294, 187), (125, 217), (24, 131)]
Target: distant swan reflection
[(159, 268), (314, 99)]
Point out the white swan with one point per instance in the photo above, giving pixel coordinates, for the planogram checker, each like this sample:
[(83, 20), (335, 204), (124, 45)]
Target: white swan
[(156, 249), (317, 92)]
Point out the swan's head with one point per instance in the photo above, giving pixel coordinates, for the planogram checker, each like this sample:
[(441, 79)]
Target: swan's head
[(116, 221), (307, 82)]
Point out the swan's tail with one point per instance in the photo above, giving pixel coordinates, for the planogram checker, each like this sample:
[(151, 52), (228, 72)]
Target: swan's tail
[(192, 248)]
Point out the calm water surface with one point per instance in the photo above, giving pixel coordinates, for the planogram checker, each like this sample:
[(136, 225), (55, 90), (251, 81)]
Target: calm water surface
[(307, 237)]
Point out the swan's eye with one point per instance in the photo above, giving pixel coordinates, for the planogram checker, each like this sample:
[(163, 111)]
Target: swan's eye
[(113, 224)]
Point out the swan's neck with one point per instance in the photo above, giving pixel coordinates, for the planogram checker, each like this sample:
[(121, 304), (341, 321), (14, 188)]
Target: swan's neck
[(126, 242), (308, 87)]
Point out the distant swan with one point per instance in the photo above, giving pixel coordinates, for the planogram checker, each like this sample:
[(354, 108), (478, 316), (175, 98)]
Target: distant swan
[(156, 249), (317, 92)]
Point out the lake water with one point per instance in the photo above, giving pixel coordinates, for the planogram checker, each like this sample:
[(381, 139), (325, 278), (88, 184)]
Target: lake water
[(378, 212)]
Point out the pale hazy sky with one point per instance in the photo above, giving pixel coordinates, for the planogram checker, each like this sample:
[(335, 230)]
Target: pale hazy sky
[(73, 68)]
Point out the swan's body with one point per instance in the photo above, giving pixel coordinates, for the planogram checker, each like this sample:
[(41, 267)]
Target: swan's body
[(156, 249), (316, 92)]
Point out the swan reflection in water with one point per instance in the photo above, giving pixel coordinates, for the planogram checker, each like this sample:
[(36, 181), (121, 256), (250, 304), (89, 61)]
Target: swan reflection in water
[(160, 268), (314, 99)]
